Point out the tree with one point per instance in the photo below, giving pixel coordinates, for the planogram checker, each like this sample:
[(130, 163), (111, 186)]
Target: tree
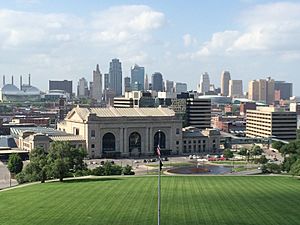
[(15, 163), (127, 170), (277, 144), (243, 151), (256, 150), (271, 168), (228, 153), (295, 168), (288, 162), (98, 171), (38, 164), (63, 158), (263, 159)]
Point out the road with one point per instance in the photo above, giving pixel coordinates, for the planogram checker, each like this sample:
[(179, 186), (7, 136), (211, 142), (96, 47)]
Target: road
[(5, 177)]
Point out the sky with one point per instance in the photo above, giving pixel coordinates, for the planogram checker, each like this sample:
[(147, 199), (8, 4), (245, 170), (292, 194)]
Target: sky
[(65, 39)]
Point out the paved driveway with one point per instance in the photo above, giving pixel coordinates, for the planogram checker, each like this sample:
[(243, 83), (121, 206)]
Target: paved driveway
[(5, 177)]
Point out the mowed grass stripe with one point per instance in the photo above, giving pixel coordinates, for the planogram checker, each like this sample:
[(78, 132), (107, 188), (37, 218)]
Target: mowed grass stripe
[(185, 200), (280, 193)]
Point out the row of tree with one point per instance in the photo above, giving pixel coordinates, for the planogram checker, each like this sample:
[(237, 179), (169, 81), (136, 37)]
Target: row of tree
[(62, 161), (291, 154)]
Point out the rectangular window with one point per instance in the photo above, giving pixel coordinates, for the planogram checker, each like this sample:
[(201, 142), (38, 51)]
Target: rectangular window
[(93, 133), (92, 145), (177, 131), (76, 131), (177, 142)]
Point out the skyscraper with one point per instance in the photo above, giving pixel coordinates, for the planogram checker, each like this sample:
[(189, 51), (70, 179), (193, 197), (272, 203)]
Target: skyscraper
[(62, 85), (146, 86), (157, 82), (253, 90), (204, 85), (236, 88), (262, 90), (225, 77), (137, 76), (180, 87), (169, 86), (97, 84), (285, 89), (127, 84), (115, 76), (82, 88), (106, 81)]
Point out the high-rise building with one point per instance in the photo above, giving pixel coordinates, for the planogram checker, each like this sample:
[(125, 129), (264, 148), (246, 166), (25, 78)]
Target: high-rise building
[(127, 85), (262, 90), (285, 89), (267, 122), (97, 85), (146, 86), (180, 87), (204, 85), (235, 88), (138, 76), (253, 90), (62, 85), (82, 88), (198, 112), (157, 82), (106, 81), (169, 86), (225, 77), (270, 91), (115, 76)]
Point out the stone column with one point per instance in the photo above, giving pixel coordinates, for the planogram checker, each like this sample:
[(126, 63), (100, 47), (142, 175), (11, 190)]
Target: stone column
[(121, 141), (125, 150), (150, 150), (146, 143)]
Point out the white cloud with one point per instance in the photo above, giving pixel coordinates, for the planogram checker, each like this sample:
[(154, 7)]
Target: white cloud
[(126, 23), (189, 40), (56, 44), (24, 29), (266, 29)]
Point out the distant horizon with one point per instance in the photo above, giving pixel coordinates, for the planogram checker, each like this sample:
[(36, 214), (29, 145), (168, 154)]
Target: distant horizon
[(53, 39)]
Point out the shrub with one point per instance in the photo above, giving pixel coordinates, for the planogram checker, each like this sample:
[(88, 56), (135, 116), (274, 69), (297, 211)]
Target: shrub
[(127, 170)]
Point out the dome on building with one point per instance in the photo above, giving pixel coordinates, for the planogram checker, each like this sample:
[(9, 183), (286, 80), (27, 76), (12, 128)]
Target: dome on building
[(30, 90), (10, 89)]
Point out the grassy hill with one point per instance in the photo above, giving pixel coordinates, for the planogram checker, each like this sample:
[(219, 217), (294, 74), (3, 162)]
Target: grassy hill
[(133, 200)]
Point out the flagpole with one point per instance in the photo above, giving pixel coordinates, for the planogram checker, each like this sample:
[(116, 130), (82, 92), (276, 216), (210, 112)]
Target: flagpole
[(158, 196)]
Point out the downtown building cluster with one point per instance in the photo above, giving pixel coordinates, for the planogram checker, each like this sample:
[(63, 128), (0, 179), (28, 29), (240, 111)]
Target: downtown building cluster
[(116, 116)]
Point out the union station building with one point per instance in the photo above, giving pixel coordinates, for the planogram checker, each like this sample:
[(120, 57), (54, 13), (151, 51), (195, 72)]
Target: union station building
[(125, 132)]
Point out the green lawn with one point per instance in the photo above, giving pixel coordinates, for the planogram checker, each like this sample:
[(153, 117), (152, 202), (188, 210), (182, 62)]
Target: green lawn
[(185, 200)]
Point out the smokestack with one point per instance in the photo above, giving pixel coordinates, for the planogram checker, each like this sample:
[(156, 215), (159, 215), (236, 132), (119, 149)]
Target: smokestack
[(29, 83), (12, 80), (3, 80), (21, 83)]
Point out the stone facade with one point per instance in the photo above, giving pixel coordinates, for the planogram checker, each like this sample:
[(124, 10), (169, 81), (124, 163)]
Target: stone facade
[(125, 132), (200, 142)]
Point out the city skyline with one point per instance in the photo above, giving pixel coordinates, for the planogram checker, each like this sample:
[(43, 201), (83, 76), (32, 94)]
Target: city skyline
[(53, 40)]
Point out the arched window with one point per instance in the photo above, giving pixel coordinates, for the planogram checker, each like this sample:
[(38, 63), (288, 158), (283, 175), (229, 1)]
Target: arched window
[(159, 138), (135, 142), (108, 142)]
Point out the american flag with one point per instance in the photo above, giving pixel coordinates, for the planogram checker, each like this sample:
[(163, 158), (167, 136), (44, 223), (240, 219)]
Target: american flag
[(158, 150)]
